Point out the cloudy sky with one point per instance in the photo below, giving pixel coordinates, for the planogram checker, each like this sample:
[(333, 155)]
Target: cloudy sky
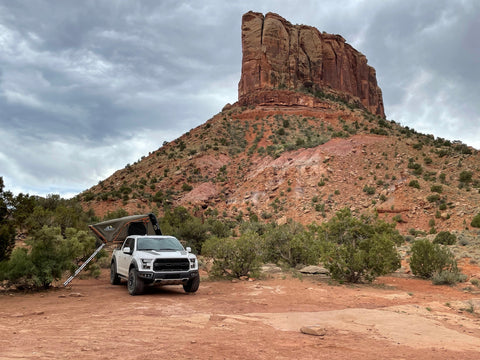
[(87, 87)]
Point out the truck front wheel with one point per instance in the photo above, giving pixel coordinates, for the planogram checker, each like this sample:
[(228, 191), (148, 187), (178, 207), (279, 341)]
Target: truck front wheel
[(114, 278), (192, 285), (135, 284)]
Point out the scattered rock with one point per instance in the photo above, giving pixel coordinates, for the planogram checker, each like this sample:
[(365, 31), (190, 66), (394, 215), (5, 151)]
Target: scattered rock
[(312, 269), (76, 295), (215, 317), (315, 330), (271, 269)]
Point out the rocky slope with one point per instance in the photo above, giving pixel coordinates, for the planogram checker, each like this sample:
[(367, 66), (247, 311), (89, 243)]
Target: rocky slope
[(302, 151)]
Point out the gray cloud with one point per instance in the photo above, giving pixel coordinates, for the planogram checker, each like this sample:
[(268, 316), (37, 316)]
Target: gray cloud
[(87, 87)]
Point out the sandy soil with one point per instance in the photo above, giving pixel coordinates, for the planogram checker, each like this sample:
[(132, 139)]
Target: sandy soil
[(394, 318)]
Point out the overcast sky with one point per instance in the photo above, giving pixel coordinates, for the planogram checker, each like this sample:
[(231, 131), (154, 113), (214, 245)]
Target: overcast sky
[(87, 87)]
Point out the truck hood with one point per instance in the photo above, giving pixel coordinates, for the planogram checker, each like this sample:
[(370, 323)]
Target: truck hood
[(164, 254)]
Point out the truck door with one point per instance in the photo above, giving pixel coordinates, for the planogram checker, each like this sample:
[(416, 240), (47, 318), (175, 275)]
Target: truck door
[(123, 258)]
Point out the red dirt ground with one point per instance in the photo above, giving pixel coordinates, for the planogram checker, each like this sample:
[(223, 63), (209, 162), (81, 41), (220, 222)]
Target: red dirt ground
[(394, 318)]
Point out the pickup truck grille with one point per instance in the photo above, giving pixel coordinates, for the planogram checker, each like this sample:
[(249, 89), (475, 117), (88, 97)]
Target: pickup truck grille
[(171, 265)]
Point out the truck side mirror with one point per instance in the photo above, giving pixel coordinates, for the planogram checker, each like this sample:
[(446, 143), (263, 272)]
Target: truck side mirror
[(189, 249), (126, 250)]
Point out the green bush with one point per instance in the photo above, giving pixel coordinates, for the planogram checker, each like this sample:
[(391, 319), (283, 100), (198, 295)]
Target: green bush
[(7, 239), (445, 238), (465, 176), (428, 259), (448, 278), (414, 183), (370, 190), (47, 257), (186, 187), (476, 221), (193, 232), (433, 198), (234, 257), (359, 249), (290, 244), (184, 226)]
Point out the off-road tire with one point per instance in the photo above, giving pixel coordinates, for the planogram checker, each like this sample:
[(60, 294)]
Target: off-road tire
[(114, 278), (135, 285), (192, 285)]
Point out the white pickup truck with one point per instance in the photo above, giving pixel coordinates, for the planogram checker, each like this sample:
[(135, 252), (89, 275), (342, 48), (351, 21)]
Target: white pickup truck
[(154, 259)]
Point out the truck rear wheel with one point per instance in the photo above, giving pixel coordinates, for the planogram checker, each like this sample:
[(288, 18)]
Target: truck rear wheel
[(192, 285), (135, 284), (114, 278)]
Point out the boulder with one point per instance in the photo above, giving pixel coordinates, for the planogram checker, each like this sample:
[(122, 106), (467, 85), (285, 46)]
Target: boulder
[(312, 269), (315, 330)]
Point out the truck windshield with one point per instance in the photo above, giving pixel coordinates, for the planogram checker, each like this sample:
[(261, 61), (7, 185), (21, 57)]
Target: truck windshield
[(163, 243)]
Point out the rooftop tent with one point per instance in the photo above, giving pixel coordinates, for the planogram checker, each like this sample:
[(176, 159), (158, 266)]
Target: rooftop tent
[(116, 230)]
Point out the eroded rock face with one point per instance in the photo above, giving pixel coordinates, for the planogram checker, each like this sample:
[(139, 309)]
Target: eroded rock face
[(279, 55)]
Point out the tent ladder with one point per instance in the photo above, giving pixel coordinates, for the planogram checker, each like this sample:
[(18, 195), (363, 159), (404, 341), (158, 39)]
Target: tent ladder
[(83, 265)]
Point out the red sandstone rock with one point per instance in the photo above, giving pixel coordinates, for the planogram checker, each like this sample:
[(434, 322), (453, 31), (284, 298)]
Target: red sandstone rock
[(279, 55)]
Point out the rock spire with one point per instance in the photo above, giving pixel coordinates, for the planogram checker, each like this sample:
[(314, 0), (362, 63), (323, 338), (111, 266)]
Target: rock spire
[(280, 56)]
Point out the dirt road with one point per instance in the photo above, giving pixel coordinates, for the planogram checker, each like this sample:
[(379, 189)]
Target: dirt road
[(395, 318)]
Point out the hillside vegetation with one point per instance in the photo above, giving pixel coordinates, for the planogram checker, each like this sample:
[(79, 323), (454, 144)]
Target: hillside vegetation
[(279, 163)]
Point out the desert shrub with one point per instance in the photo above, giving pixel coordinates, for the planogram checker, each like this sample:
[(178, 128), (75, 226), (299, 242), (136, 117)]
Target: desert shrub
[(7, 228), (7, 239), (445, 238), (184, 226), (48, 256), (234, 257), (290, 244), (219, 228), (436, 188), (193, 232), (356, 249), (186, 187), (465, 176), (448, 278), (88, 196), (414, 183), (476, 221), (442, 177), (428, 259), (370, 190), (398, 218), (417, 168)]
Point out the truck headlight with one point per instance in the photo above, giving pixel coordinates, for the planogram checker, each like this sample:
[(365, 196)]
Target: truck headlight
[(146, 264), (192, 263)]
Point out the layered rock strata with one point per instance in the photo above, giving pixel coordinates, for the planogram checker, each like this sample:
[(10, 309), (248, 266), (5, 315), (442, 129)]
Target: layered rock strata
[(280, 56)]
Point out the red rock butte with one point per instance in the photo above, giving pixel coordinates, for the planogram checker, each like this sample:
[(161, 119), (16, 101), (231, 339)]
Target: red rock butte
[(279, 59)]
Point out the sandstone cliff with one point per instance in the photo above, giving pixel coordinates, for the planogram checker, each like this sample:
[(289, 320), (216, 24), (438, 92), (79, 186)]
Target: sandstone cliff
[(279, 55)]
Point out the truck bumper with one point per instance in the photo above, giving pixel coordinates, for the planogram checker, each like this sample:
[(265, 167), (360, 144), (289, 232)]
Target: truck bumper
[(167, 277)]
